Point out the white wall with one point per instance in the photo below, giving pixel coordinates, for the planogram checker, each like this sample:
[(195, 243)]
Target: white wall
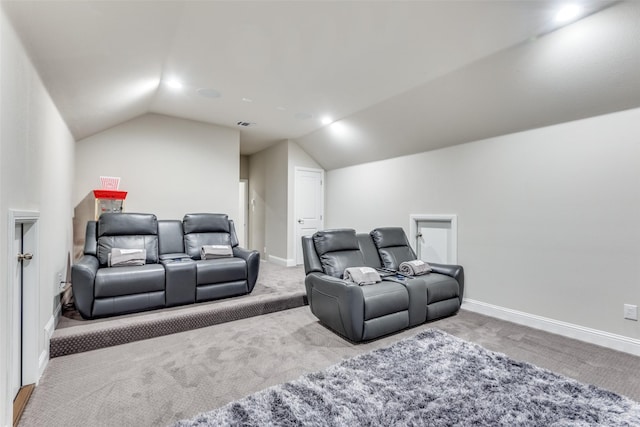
[(268, 201), (36, 173), (549, 219), (169, 166)]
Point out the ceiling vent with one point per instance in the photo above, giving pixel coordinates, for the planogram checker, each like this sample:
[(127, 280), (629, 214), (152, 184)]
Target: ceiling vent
[(245, 124)]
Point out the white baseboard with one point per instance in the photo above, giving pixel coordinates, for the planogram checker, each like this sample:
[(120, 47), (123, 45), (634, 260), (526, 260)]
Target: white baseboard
[(592, 336), (281, 261), (43, 360)]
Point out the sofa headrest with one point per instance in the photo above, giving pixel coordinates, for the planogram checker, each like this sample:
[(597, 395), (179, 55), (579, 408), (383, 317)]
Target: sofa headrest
[(127, 224), (205, 223), (335, 240), (387, 237)]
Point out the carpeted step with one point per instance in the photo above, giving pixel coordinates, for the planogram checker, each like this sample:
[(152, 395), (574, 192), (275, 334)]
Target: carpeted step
[(164, 322)]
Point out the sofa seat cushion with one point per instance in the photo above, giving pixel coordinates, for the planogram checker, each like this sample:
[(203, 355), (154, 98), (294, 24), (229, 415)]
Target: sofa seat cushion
[(440, 287), (117, 281), (384, 298), (220, 270)]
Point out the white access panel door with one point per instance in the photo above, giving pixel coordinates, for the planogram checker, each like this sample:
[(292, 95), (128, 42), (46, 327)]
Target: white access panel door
[(433, 243), (309, 206), (436, 239)]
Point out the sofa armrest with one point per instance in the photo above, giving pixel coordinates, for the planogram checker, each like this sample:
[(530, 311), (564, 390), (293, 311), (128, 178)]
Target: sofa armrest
[(253, 264), (455, 271), (337, 303), (83, 277)]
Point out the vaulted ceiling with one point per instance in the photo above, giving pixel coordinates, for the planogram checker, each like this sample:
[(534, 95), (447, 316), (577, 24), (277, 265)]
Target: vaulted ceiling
[(398, 76)]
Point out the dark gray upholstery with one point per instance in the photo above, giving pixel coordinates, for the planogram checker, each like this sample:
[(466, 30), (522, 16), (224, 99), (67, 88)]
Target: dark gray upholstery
[(454, 271), (311, 260), (369, 251), (180, 281), (103, 291), (116, 281), (131, 231), (207, 229), (91, 241), (170, 237), (393, 246), (229, 276), (356, 312), (444, 285), (367, 312), (169, 276), (337, 250)]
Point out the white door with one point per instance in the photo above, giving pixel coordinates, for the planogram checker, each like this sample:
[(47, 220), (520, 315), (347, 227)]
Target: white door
[(309, 205), (435, 238), (433, 242), (20, 349), (16, 321), (243, 212)]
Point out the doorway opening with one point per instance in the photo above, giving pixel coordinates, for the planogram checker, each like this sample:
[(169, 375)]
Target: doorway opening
[(243, 214), (22, 310), (435, 237)]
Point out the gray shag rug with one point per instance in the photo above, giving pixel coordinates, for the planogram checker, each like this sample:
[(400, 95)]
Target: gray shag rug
[(431, 379)]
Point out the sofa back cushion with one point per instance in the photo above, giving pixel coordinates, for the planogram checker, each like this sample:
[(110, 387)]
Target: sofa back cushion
[(393, 246), (170, 237), (202, 229), (127, 231), (337, 250), (369, 250)]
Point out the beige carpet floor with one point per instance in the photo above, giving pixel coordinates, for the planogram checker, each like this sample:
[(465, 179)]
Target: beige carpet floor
[(161, 380)]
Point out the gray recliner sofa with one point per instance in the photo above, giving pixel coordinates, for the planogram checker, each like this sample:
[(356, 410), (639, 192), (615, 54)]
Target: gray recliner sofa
[(172, 274), (362, 313)]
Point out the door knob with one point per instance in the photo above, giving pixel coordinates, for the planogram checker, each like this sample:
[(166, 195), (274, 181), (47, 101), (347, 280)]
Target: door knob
[(27, 256), (301, 221)]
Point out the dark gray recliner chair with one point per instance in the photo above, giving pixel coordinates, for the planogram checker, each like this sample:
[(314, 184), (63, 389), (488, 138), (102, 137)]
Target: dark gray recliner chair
[(358, 313), (100, 290), (347, 308), (223, 277), (444, 285), (172, 274)]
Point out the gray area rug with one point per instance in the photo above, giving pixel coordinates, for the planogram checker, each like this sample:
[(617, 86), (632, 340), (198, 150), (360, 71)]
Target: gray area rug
[(431, 379)]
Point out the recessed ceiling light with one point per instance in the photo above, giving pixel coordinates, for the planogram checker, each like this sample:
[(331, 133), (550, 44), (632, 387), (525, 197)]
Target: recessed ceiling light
[(209, 93), (568, 12), (174, 84), (247, 99), (326, 120)]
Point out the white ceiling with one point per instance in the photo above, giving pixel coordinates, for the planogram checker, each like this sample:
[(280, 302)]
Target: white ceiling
[(388, 68)]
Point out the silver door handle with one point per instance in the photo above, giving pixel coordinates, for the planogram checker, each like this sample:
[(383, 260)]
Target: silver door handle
[(27, 256), (301, 221), (419, 235)]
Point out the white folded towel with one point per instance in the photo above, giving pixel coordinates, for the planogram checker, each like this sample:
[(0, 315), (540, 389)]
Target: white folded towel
[(215, 251), (125, 257), (415, 267), (362, 275)]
